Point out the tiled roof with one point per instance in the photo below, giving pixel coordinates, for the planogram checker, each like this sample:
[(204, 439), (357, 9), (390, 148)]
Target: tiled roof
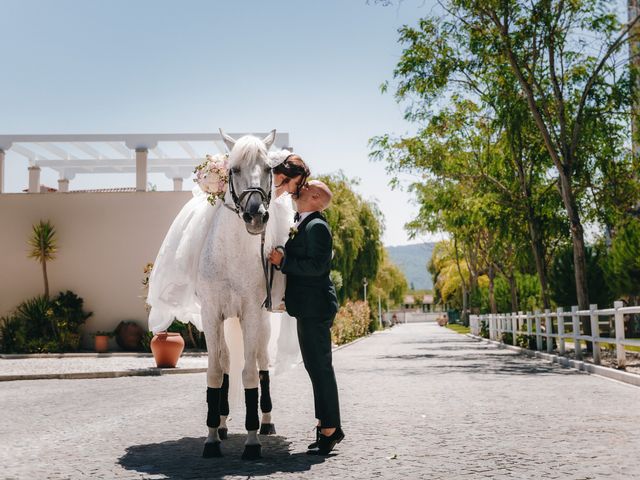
[(105, 190)]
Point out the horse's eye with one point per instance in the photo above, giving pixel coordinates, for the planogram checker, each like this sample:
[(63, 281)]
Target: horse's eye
[(267, 169), (235, 169)]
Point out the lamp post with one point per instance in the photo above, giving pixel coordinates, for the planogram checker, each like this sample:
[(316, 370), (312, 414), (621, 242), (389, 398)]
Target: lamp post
[(365, 283)]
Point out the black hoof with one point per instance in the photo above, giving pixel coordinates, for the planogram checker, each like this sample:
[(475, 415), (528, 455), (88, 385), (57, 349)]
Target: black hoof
[(223, 433), (267, 429), (212, 450), (252, 452)]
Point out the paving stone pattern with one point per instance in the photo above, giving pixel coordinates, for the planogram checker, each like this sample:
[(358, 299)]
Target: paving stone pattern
[(418, 402), (70, 364)]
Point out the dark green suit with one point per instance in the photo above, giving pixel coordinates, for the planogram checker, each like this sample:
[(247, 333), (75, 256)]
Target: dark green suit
[(310, 296)]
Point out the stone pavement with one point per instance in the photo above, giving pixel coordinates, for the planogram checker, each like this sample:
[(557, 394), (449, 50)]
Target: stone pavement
[(418, 402), (92, 365)]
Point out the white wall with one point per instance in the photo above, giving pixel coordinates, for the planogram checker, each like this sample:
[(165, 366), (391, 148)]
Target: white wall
[(104, 242)]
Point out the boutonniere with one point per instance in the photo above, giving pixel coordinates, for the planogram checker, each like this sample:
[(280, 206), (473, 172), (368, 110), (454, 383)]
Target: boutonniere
[(293, 231)]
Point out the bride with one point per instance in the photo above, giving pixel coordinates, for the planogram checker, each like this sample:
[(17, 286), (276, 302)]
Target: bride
[(172, 282)]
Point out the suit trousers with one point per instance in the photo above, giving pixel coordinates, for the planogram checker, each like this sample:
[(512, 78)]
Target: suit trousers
[(314, 336)]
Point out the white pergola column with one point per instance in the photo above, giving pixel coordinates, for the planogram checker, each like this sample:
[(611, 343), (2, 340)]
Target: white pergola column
[(1, 171), (63, 185), (34, 179), (177, 184), (142, 155)]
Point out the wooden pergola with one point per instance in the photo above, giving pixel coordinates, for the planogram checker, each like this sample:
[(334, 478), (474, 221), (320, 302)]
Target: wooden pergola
[(174, 154)]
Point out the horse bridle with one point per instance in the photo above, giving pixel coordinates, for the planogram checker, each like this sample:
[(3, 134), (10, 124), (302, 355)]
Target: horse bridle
[(237, 200), (238, 209)]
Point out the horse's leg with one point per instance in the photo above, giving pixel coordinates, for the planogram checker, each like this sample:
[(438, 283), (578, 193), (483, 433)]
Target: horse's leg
[(249, 324), (224, 391), (214, 338), (266, 426)]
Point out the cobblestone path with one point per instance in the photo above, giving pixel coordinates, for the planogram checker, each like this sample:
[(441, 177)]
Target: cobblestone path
[(418, 402)]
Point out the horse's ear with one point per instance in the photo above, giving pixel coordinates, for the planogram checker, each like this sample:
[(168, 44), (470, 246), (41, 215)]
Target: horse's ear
[(228, 141), (269, 139)]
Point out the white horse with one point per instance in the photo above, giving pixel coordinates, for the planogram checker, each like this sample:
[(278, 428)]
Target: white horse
[(231, 283)]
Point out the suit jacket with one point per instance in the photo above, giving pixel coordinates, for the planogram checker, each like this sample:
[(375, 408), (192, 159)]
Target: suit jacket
[(307, 264)]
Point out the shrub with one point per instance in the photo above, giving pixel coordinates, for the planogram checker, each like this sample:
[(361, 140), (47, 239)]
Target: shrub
[(12, 334), (351, 322), (41, 325), (484, 329), (193, 338)]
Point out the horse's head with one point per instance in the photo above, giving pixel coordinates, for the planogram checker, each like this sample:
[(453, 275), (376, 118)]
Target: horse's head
[(250, 179)]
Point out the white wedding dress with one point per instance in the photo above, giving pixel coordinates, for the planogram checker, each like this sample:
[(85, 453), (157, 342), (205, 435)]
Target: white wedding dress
[(172, 282)]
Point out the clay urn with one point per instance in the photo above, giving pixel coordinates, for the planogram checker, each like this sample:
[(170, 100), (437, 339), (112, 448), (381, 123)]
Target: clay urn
[(101, 343), (129, 335), (167, 348)]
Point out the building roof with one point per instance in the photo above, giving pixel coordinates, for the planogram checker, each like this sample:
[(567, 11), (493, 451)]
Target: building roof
[(43, 189)]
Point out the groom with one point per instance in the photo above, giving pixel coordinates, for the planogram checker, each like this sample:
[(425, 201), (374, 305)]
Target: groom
[(311, 298)]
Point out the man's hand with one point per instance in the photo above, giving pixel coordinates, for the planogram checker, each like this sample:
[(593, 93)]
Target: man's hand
[(275, 257)]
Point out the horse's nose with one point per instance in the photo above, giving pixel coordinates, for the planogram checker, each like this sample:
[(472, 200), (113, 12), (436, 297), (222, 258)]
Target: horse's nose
[(251, 218)]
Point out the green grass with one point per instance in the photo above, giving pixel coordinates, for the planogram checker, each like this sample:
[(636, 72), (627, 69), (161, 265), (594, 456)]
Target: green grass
[(628, 348), (458, 328), (606, 345)]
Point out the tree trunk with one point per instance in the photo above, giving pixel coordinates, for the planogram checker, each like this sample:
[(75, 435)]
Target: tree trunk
[(465, 292), (46, 279), (492, 296), (514, 291), (533, 224), (465, 306), (191, 337), (579, 258), (634, 55), (471, 258), (537, 248)]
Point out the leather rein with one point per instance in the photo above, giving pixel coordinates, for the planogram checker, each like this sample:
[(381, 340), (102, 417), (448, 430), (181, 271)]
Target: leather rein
[(238, 209)]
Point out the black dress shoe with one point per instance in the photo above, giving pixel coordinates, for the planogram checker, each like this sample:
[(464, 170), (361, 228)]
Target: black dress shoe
[(314, 445), (326, 444)]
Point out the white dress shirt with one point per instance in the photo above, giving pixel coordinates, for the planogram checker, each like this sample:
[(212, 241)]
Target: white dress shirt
[(302, 217)]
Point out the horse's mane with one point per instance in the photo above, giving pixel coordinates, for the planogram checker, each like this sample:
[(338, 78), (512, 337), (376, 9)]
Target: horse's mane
[(247, 151)]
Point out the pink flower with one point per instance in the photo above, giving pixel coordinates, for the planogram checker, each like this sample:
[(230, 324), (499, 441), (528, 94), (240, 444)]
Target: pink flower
[(212, 176)]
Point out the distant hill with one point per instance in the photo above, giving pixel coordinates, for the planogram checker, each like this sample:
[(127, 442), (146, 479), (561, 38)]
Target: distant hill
[(413, 260)]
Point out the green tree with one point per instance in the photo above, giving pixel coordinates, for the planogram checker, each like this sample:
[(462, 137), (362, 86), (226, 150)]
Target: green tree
[(562, 280), (357, 230), (534, 56), (623, 265), (390, 284), (43, 243)]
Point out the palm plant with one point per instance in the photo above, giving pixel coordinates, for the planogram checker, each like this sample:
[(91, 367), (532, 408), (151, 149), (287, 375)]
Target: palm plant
[(43, 248)]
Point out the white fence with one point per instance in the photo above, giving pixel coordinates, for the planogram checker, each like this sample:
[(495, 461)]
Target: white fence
[(541, 325), (411, 317)]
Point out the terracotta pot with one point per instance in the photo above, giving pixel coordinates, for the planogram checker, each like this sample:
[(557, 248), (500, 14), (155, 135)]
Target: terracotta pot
[(167, 348), (129, 335), (102, 343)]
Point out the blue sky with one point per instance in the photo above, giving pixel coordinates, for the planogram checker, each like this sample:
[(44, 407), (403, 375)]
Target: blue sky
[(311, 68)]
